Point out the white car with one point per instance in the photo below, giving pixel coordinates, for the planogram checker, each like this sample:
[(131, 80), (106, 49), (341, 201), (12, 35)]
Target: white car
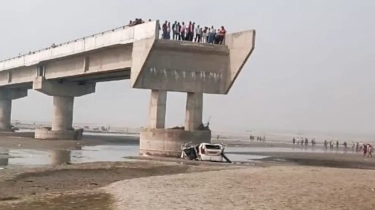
[(204, 152), (210, 152)]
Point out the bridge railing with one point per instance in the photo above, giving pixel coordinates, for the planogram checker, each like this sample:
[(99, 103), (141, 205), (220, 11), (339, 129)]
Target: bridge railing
[(121, 35)]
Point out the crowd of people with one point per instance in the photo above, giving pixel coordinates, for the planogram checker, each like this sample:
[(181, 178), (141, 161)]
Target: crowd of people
[(258, 138), (366, 148), (193, 33), (303, 141), (137, 21), (188, 32)]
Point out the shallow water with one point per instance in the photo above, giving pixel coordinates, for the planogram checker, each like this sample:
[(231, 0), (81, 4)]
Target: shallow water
[(30, 158), (286, 149)]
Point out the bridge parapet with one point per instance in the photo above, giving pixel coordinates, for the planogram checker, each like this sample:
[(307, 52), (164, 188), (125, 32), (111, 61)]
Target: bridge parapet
[(118, 36)]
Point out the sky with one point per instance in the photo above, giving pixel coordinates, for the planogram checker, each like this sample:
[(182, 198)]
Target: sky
[(312, 68)]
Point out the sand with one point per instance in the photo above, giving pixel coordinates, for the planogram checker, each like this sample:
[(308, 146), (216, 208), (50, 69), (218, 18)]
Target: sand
[(252, 188)]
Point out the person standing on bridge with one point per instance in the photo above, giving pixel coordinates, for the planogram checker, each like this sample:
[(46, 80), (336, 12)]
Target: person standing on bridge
[(178, 31), (189, 31), (169, 30), (182, 31), (205, 35), (164, 30), (198, 34), (222, 33), (174, 30), (192, 32), (211, 35)]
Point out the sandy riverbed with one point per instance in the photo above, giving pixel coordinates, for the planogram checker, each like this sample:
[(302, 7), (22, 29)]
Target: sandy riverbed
[(283, 181), (45, 188), (253, 188)]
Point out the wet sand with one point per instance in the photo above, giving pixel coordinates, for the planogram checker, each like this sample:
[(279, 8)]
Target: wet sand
[(35, 187), (322, 159)]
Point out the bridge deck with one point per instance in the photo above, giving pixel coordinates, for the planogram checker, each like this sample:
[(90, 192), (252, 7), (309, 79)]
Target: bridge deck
[(122, 35)]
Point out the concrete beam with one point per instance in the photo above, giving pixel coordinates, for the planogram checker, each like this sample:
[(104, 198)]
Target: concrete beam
[(180, 66), (241, 45), (194, 111), (54, 88), (158, 106), (12, 94), (140, 54)]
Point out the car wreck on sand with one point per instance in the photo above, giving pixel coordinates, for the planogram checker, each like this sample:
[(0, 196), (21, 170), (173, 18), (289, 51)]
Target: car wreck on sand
[(204, 152)]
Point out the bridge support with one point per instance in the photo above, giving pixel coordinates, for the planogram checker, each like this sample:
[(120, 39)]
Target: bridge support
[(6, 97), (158, 107), (63, 103), (62, 118), (158, 141), (194, 111)]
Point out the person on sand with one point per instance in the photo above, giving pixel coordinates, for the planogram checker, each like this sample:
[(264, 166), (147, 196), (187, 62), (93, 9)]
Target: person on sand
[(313, 142), (337, 144), (370, 149), (294, 141), (356, 146), (364, 150)]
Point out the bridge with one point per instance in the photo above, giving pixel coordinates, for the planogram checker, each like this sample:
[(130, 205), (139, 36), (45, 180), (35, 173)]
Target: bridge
[(72, 69)]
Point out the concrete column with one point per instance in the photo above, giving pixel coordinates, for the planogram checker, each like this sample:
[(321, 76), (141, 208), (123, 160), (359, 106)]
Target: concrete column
[(194, 111), (158, 106), (5, 114), (6, 97), (62, 118)]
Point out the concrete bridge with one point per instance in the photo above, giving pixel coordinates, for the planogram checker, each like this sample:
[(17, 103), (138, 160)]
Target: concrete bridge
[(72, 70)]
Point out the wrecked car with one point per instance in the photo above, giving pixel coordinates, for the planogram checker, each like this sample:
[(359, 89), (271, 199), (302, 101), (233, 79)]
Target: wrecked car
[(204, 152)]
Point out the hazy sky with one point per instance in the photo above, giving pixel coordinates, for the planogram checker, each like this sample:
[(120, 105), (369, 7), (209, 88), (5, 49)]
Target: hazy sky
[(312, 68)]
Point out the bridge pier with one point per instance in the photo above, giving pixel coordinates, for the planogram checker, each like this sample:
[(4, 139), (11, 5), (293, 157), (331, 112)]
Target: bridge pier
[(158, 141), (194, 111), (6, 97), (63, 103), (5, 115), (158, 108), (62, 118)]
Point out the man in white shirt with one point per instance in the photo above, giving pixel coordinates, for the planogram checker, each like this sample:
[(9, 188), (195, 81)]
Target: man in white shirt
[(198, 34)]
